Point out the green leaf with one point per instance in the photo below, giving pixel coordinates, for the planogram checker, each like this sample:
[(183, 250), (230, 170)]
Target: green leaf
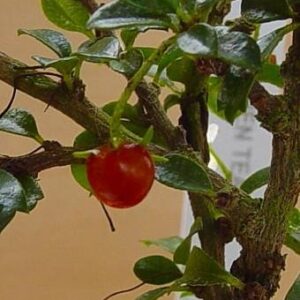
[(260, 11), (256, 180), (32, 190), (128, 63), (99, 50), (154, 294), (156, 269), (148, 136), (63, 65), (133, 122), (234, 94), (202, 270), (173, 53), (132, 13), (293, 235), (71, 15), (12, 198), (20, 122), (170, 101), (234, 47), (84, 141), (200, 40), (54, 40), (239, 49), (183, 173), (270, 73), (184, 70), (182, 253), (169, 244), (128, 37), (214, 85), (269, 42), (294, 292)]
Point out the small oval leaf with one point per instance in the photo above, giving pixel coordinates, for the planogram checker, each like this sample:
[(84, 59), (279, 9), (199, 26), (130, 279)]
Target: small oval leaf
[(12, 198), (181, 172), (169, 244), (84, 141), (52, 39), (21, 122), (202, 270), (199, 40), (63, 65), (268, 42), (32, 190), (156, 270), (260, 11), (256, 180), (100, 50), (294, 292), (71, 15), (133, 13)]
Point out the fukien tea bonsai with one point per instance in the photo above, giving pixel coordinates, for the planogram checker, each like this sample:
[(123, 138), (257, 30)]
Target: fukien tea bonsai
[(209, 64)]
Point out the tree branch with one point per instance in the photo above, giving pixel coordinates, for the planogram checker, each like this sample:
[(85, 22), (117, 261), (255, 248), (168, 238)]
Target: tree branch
[(148, 97), (34, 163), (272, 110), (240, 207)]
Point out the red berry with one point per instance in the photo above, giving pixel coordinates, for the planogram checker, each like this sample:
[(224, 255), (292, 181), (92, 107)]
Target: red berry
[(121, 177)]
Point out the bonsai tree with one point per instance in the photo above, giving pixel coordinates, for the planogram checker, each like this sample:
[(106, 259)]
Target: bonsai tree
[(208, 66)]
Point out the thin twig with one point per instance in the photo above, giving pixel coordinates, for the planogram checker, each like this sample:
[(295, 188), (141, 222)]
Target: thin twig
[(124, 291), (15, 82), (110, 221)]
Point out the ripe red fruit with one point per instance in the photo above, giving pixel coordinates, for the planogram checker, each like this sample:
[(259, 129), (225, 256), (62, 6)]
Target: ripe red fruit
[(121, 177)]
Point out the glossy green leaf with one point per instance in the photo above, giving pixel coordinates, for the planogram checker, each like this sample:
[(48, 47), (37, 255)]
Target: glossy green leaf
[(200, 40), (148, 136), (63, 65), (20, 122), (170, 101), (256, 180), (156, 269), (294, 292), (99, 50), (128, 63), (202, 270), (173, 53), (32, 190), (54, 40), (181, 172), (182, 253), (270, 73), (293, 235), (128, 37), (83, 141), (169, 244), (12, 198), (214, 86), (234, 94), (233, 47), (269, 42), (239, 49), (132, 13), (71, 15), (260, 11), (184, 70)]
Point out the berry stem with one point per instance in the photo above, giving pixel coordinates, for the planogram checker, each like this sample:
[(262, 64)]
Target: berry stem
[(115, 133)]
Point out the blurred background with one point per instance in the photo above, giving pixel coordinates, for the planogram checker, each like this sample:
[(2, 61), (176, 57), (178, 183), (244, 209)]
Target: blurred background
[(64, 249)]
